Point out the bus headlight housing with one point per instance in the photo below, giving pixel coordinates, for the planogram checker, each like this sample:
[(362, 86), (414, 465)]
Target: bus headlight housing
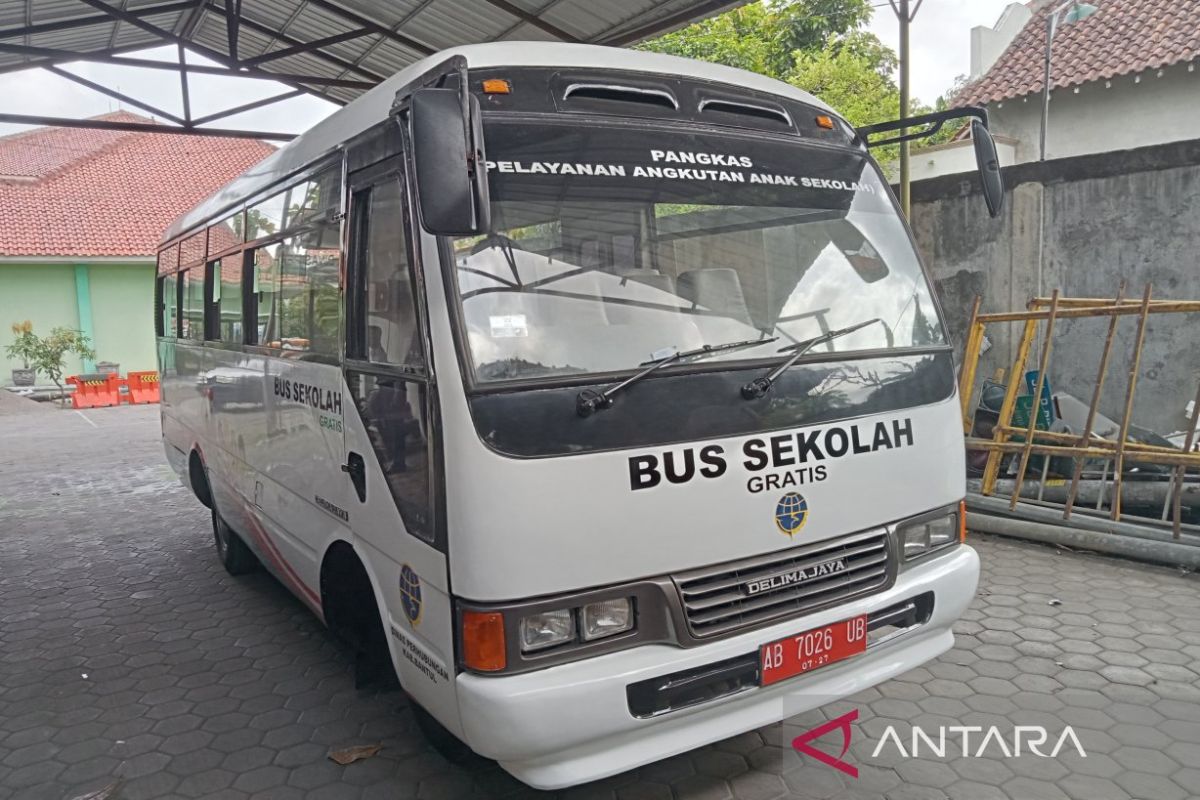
[(924, 536), (547, 629), (606, 618), (586, 623)]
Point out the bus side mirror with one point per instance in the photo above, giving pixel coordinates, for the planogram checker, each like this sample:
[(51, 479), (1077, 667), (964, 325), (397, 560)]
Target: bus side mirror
[(989, 167), (449, 161)]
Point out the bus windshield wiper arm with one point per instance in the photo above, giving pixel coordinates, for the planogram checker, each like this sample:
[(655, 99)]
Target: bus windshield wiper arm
[(589, 400), (761, 385)]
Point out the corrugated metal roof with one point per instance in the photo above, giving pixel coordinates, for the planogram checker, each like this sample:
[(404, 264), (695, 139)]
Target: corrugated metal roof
[(394, 33)]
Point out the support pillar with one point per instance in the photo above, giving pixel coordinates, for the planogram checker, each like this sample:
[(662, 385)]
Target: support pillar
[(83, 304)]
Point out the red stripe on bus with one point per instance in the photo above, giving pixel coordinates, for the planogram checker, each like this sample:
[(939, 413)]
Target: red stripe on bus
[(280, 562)]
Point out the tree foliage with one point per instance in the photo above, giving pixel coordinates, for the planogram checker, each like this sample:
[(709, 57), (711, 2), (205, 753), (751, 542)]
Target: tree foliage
[(24, 343), (820, 46), (762, 36), (849, 80)]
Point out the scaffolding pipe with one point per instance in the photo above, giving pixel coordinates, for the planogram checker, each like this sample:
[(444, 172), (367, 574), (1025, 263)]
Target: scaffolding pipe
[(1135, 361), (1048, 515), (1142, 549), (1139, 493), (1095, 404)]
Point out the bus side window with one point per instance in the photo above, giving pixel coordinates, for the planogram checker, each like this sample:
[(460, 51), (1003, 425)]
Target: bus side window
[(392, 334), (264, 288), (227, 284), (168, 295), (192, 306), (212, 291)]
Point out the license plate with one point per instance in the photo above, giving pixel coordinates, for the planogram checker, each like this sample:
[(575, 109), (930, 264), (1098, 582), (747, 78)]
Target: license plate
[(819, 647)]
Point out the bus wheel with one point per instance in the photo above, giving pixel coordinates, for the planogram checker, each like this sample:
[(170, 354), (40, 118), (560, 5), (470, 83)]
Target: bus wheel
[(354, 618), (235, 556), (447, 745)]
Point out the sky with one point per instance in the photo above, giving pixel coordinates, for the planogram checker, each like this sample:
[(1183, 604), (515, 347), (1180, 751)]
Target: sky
[(940, 37)]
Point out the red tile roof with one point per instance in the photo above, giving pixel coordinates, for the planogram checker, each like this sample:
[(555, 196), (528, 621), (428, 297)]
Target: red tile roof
[(1123, 37), (82, 192)]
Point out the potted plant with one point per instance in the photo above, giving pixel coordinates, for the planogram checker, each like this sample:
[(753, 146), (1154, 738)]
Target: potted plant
[(46, 354), (22, 349)]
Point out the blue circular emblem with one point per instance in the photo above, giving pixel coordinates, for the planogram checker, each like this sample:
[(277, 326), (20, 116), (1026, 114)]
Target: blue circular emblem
[(410, 593), (791, 513)]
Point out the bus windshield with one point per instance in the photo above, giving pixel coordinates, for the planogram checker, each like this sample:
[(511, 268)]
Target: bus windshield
[(614, 246)]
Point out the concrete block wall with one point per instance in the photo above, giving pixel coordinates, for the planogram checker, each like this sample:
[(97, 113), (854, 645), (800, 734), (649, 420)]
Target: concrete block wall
[(1080, 225)]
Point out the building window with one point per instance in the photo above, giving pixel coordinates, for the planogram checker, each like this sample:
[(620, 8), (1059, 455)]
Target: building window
[(191, 311)]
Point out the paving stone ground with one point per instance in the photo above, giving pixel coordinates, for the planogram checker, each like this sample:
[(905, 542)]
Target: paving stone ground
[(127, 654)]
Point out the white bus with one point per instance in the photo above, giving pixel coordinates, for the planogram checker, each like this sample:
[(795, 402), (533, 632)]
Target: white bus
[(599, 394)]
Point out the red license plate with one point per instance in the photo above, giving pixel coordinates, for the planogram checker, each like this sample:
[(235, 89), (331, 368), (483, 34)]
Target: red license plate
[(813, 649)]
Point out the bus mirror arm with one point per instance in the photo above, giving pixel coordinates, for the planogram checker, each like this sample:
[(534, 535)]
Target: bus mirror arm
[(927, 125)]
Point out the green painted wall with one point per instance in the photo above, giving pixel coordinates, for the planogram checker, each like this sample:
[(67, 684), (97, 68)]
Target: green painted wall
[(122, 303), (44, 294), (123, 314)]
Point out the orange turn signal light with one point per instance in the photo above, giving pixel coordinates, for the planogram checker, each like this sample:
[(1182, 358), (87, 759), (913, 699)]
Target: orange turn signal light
[(483, 647), (497, 86), (962, 520), (825, 121)]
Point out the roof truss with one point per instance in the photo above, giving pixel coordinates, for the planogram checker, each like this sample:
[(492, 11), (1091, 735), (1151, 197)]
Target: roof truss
[(333, 49)]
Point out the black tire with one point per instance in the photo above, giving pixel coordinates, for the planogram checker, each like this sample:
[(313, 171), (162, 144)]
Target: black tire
[(447, 745), (233, 553)]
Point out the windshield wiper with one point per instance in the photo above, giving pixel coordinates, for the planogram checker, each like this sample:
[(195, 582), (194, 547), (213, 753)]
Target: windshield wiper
[(761, 385), (590, 401)]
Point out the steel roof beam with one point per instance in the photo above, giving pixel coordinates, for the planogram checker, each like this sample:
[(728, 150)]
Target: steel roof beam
[(208, 52), (140, 127), (124, 98), (337, 61), (94, 19), (184, 93), (670, 22), (407, 18), (308, 47), (375, 27), (116, 28), (266, 101), (534, 20), (233, 18), (53, 55)]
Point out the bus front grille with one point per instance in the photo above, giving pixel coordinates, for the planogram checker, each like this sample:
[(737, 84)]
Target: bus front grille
[(744, 594)]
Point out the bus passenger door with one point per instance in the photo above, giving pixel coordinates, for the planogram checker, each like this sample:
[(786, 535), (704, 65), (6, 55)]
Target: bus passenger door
[(390, 441)]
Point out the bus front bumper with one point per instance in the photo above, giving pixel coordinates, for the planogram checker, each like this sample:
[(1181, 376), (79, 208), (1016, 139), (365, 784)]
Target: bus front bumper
[(570, 724)]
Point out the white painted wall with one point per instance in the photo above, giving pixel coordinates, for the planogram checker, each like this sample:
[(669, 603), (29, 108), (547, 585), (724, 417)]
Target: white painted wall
[(1099, 117), (1103, 116), (955, 157), (987, 43)]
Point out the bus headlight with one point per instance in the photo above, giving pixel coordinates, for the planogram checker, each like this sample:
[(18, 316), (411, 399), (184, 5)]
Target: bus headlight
[(550, 628), (926, 535), (606, 618)]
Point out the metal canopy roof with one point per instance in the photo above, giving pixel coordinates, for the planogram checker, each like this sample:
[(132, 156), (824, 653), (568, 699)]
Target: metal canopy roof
[(335, 49)]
